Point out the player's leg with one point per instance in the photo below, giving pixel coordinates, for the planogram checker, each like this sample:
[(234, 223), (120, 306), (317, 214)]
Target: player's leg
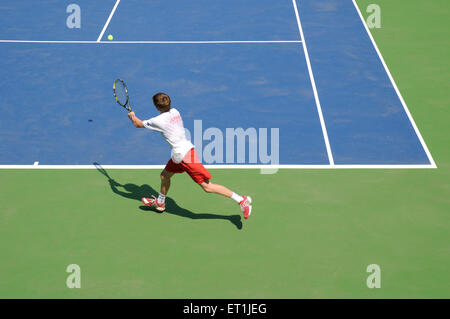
[(243, 201), (216, 189), (192, 165), (165, 181), (165, 176), (165, 185)]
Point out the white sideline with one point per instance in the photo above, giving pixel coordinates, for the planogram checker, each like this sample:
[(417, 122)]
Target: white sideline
[(107, 21), (405, 107), (313, 84)]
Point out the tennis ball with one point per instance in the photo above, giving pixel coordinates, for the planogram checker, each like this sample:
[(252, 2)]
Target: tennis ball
[(110, 37)]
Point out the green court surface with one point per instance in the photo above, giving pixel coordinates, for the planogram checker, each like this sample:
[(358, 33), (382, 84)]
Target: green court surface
[(312, 233)]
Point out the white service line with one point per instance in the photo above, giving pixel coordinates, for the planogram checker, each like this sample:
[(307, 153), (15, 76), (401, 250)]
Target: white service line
[(203, 42), (107, 21), (224, 166), (405, 107), (146, 42), (313, 83)]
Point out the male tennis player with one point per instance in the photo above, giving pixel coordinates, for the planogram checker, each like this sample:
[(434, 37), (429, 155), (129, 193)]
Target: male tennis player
[(183, 158)]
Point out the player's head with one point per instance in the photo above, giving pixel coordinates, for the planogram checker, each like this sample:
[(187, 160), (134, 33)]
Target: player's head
[(162, 102)]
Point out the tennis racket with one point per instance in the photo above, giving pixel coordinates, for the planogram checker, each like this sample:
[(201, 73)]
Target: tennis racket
[(101, 170), (121, 94), (105, 173)]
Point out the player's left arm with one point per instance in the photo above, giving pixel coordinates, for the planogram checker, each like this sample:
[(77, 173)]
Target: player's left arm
[(136, 121)]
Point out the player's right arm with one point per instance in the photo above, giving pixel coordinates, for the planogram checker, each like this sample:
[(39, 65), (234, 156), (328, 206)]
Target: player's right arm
[(136, 121)]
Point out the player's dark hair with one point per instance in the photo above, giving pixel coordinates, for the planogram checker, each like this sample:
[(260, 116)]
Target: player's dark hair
[(162, 101)]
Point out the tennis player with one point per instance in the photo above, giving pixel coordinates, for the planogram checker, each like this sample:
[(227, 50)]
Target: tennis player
[(184, 157)]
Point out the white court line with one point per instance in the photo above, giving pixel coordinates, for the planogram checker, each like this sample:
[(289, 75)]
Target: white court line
[(313, 83), (249, 166), (405, 107), (145, 42), (107, 21)]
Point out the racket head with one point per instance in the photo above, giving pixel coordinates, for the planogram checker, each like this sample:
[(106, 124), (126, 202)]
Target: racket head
[(121, 94), (101, 169)]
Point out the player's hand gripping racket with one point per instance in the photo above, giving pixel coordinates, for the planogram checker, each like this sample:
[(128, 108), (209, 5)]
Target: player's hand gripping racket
[(121, 94)]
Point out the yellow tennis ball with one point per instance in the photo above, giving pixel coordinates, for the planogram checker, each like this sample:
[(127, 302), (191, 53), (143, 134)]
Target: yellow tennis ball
[(110, 37)]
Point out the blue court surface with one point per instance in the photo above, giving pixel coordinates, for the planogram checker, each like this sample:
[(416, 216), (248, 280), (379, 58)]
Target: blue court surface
[(307, 69)]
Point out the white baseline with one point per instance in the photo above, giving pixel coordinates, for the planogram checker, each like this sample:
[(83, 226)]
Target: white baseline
[(219, 166)]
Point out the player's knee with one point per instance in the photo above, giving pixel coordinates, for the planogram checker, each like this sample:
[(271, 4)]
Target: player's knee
[(206, 187), (164, 177)]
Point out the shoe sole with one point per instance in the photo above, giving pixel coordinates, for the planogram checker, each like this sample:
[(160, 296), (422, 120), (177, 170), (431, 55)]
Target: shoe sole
[(159, 209), (250, 206)]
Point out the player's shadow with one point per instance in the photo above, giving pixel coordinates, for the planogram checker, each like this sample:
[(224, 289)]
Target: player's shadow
[(133, 191)]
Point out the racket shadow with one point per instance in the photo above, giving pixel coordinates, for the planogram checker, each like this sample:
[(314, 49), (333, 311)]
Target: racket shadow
[(136, 192)]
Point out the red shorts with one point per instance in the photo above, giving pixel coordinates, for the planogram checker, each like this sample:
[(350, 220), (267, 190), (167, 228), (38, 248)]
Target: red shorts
[(191, 165)]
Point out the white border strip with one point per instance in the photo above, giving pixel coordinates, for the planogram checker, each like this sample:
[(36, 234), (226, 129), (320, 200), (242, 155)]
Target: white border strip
[(249, 166), (145, 42), (405, 107), (313, 83), (107, 21)]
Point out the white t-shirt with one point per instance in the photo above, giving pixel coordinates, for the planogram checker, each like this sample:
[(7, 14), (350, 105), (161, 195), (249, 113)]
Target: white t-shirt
[(170, 125)]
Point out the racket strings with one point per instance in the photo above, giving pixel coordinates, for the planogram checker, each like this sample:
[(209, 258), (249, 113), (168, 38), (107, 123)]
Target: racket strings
[(121, 93)]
